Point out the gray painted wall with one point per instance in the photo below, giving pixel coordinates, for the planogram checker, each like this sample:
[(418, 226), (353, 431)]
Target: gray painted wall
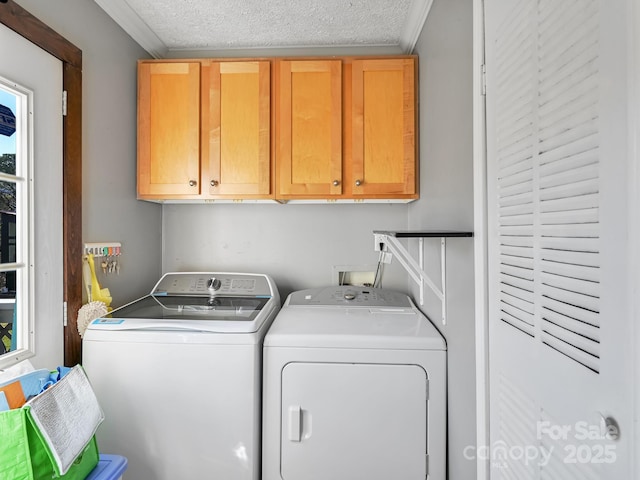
[(296, 244), (446, 202), (110, 211)]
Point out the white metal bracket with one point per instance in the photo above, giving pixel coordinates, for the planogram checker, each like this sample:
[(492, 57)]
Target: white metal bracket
[(388, 242)]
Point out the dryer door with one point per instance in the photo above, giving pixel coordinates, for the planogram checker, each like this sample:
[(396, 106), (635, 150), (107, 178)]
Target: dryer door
[(350, 421)]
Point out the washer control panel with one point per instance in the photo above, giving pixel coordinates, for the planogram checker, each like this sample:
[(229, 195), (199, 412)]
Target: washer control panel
[(349, 296), (211, 283)]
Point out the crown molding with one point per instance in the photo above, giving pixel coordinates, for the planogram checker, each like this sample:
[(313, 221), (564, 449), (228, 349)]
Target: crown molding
[(416, 18), (130, 22)]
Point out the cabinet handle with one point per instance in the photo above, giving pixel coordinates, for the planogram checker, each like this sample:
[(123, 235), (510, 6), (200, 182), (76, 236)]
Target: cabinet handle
[(358, 183), (336, 183), (213, 183), (192, 183)]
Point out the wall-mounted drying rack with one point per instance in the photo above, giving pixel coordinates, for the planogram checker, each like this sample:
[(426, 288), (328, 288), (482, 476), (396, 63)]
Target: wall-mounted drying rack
[(387, 242)]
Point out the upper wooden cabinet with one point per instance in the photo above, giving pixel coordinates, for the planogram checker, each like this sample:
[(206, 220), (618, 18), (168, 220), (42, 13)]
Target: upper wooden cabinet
[(346, 129), (168, 129), (309, 128), (236, 150), (204, 130), (381, 128), (281, 129)]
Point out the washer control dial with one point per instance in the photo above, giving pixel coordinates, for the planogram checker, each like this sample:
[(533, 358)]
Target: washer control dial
[(213, 284)]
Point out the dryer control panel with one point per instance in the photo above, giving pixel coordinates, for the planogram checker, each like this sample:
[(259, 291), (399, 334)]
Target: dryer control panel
[(350, 296)]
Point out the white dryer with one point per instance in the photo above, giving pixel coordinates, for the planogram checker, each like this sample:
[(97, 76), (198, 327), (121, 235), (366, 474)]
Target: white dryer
[(354, 387), (178, 375)]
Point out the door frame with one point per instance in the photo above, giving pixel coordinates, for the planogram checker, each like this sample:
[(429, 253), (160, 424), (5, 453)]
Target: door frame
[(480, 242), (25, 24), (634, 207)]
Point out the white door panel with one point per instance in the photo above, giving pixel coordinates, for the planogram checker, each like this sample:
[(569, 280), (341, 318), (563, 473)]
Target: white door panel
[(30, 66), (352, 421), (560, 326)]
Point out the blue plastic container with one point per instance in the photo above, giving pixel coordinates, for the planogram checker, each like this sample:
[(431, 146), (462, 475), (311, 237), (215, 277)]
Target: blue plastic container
[(110, 467)]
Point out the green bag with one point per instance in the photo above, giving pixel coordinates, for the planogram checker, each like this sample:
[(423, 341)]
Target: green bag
[(25, 456)]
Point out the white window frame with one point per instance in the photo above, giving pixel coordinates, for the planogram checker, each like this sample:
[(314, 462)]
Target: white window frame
[(24, 265)]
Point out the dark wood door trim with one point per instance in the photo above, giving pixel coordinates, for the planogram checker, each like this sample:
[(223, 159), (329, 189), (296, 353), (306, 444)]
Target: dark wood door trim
[(22, 22)]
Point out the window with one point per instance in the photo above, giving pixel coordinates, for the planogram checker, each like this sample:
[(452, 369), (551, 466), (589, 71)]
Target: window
[(16, 214)]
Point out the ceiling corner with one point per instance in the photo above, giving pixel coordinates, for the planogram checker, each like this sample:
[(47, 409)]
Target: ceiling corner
[(416, 18), (130, 22)]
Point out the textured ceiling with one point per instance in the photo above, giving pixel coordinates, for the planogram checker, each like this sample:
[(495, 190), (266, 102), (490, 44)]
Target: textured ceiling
[(171, 25)]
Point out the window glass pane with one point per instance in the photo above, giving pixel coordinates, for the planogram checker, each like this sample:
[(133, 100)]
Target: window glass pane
[(8, 323), (8, 199), (8, 237), (7, 132), (13, 274)]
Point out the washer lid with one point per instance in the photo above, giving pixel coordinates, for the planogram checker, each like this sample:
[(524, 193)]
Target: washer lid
[(219, 314), (199, 301)]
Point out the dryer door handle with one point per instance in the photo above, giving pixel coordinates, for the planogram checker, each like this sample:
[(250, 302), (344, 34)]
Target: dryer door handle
[(295, 423)]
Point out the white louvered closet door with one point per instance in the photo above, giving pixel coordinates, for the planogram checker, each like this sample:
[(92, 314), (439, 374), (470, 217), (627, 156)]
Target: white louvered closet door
[(560, 325)]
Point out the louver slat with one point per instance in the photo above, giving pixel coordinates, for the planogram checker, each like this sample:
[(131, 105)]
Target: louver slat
[(516, 194), (563, 153), (518, 251), (517, 261), (572, 258), (571, 311), (577, 202), (586, 298), (572, 273), (566, 348), (580, 328), (575, 192), (571, 244), (517, 287), (576, 300), (584, 173), (585, 223)]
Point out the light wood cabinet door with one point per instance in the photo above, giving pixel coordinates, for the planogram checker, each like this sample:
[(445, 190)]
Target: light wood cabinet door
[(237, 129), (382, 161), (309, 128), (168, 129)]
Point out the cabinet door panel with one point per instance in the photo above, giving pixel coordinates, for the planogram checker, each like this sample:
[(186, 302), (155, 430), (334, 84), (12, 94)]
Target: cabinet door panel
[(169, 129), (239, 129), (310, 128), (383, 128)]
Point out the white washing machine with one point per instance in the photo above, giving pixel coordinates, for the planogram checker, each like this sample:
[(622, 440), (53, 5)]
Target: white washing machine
[(354, 388), (178, 375)]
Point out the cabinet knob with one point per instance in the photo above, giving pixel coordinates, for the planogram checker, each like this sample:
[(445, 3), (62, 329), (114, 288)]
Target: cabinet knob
[(192, 183), (213, 183), (336, 183), (358, 183)]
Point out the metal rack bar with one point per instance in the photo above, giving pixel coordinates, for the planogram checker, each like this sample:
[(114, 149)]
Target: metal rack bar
[(387, 241)]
